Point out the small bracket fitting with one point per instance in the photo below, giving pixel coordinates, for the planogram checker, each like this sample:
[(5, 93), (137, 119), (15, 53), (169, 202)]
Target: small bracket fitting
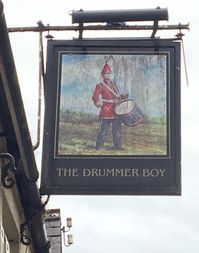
[(155, 28), (81, 29), (7, 182), (24, 239)]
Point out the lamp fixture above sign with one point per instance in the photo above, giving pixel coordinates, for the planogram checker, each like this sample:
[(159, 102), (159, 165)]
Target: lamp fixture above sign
[(113, 19), (110, 16)]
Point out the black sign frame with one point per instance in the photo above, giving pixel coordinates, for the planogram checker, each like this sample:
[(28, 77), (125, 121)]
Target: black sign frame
[(98, 173)]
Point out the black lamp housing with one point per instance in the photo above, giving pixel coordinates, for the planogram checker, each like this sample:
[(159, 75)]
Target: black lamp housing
[(110, 16)]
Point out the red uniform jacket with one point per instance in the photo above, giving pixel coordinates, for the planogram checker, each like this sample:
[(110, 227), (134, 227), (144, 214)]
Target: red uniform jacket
[(106, 99)]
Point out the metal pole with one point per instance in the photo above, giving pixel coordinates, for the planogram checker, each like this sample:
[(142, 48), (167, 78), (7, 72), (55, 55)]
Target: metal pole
[(107, 27), (41, 74)]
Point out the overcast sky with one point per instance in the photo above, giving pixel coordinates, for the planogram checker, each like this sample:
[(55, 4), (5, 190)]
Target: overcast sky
[(130, 224)]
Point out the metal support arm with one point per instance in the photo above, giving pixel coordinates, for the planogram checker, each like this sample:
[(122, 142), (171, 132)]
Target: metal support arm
[(107, 27)]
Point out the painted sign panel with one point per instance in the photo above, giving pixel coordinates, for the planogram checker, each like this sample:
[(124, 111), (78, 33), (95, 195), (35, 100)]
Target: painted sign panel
[(112, 117)]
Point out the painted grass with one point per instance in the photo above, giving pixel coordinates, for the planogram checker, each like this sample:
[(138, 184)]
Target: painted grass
[(144, 139)]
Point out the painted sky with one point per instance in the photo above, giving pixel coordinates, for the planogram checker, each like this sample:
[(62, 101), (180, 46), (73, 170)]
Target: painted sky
[(128, 223), (142, 76)]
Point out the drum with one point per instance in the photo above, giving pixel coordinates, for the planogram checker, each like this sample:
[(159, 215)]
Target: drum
[(129, 112)]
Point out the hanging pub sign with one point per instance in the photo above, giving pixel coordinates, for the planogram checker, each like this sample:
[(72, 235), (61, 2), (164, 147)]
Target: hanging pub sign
[(112, 118)]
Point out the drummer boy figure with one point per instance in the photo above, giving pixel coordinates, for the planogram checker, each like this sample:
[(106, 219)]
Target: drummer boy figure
[(105, 97)]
